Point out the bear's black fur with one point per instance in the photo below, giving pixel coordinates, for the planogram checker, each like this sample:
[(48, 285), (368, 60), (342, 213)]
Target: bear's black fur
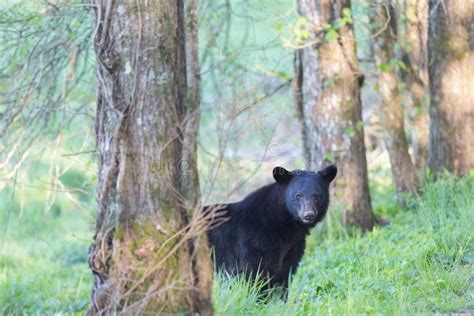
[(265, 232)]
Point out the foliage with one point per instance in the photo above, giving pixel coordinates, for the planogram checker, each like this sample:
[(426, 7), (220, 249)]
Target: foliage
[(332, 30), (43, 256), (421, 263), (46, 76)]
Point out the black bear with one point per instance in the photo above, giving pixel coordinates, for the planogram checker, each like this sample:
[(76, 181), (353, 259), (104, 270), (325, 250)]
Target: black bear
[(265, 232)]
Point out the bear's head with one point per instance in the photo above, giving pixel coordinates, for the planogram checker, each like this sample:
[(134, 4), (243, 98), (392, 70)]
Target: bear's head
[(306, 192)]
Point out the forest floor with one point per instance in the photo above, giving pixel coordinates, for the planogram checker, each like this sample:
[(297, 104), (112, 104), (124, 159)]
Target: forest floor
[(423, 263)]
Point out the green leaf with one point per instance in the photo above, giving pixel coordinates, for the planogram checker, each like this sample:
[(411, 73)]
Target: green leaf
[(347, 15), (330, 156), (279, 26), (331, 34), (301, 29), (385, 67), (283, 75), (304, 33), (402, 65), (350, 131)]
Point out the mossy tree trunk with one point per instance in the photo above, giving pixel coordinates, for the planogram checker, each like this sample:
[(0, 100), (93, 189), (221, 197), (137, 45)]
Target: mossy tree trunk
[(415, 42), (451, 75), (149, 254), (384, 39), (327, 93)]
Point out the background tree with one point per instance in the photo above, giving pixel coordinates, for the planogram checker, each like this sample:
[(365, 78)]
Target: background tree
[(451, 73), (327, 91), (414, 39), (384, 41), (148, 253)]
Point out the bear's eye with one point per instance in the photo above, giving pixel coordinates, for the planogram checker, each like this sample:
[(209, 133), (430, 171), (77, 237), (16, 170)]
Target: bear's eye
[(298, 196), (315, 196)]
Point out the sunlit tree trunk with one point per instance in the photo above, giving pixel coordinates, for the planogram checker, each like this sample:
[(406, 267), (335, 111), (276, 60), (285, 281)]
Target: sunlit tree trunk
[(416, 49), (451, 74), (384, 23), (327, 93), (148, 254)]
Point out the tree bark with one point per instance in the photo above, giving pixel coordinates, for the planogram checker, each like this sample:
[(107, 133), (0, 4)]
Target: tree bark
[(149, 254), (416, 50), (451, 75), (385, 37), (327, 94)]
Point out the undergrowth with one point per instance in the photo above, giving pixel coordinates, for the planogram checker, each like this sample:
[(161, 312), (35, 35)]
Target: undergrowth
[(421, 264)]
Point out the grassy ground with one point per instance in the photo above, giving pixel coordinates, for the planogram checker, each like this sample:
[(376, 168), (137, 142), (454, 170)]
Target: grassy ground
[(422, 263), (43, 260)]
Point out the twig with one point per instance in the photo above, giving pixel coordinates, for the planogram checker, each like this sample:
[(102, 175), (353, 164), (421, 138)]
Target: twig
[(389, 18)]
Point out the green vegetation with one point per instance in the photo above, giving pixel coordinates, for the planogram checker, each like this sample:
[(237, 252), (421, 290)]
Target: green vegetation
[(43, 259), (422, 263)]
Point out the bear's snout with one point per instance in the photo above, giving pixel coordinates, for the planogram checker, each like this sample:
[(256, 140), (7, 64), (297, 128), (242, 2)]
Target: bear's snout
[(309, 216), (307, 211)]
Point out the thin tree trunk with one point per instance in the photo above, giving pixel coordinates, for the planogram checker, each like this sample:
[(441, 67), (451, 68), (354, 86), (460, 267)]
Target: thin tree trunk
[(327, 93), (451, 72), (391, 113), (149, 254), (416, 49)]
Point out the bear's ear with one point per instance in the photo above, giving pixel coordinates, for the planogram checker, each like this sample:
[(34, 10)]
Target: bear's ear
[(282, 175), (328, 173)]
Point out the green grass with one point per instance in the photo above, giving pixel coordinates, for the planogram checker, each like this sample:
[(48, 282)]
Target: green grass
[(43, 255), (421, 264)]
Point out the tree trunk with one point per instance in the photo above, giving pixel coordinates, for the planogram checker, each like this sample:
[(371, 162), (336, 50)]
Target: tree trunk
[(391, 113), (327, 93), (149, 254), (451, 74), (416, 50)]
